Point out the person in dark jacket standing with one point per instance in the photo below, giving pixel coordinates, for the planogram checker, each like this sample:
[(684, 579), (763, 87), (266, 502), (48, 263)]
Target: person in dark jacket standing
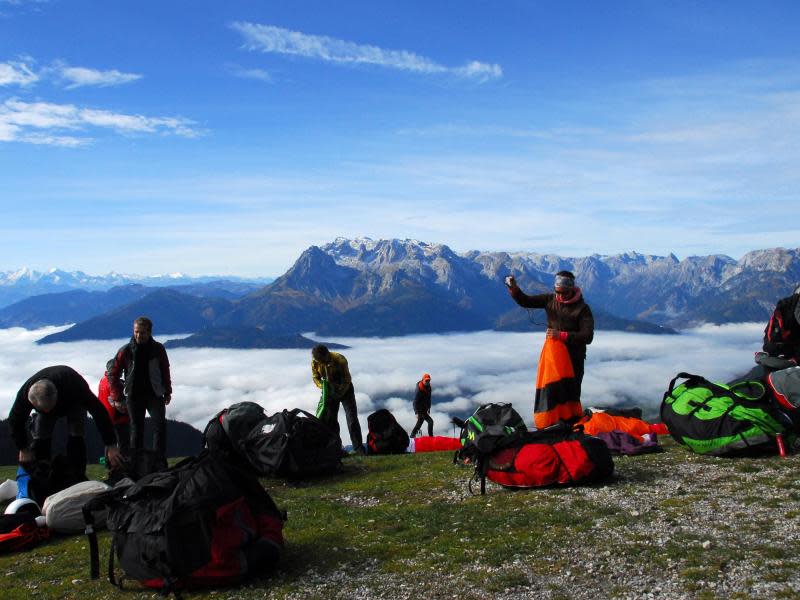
[(569, 318), (53, 393), (422, 405), (148, 385), (782, 334)]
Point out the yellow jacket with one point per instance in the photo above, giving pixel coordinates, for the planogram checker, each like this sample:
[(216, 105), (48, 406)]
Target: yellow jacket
[(335, 371)]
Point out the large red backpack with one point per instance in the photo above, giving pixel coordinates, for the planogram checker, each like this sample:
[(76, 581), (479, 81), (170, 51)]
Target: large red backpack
[(561, 458), (557, 455)]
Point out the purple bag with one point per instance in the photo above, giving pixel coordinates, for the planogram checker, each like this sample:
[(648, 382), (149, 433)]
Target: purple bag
[(620, 442)]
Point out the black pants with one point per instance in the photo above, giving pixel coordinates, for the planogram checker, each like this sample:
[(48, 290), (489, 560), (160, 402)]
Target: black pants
[(123, 432), (578, 357), (422, 418), (42, 426), (330, 415), (137, 405)]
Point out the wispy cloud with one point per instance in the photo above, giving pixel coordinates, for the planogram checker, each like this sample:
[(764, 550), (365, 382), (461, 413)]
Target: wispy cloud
[(17, 73), (23, 73), (257, 74), (502, 131), (276, 40), (20, 3), (75, 77), (67, 124)]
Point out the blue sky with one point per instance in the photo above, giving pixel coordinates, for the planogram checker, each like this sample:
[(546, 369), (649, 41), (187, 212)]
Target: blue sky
[(226, 137)]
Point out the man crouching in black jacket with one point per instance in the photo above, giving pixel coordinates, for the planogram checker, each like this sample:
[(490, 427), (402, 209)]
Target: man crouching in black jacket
[(52, 393)]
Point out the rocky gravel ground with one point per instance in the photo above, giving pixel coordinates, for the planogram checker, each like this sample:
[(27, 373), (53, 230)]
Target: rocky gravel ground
[(672, 525)]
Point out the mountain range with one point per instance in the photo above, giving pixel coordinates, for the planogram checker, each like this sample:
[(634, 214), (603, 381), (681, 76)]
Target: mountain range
[(365, 287), (25, 283)]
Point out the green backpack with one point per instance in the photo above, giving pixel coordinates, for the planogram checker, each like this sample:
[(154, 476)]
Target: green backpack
[(717, 419)]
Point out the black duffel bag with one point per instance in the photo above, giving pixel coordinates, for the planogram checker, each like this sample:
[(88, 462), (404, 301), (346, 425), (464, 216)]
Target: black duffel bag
[(291, 443)]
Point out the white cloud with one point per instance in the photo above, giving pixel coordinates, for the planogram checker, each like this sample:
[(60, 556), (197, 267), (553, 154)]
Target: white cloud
[(17, 73), (21, 73), (271, 39), (257, 74), (75, 77), (44, 123), (22, 2), (467, 370), (479, 70)]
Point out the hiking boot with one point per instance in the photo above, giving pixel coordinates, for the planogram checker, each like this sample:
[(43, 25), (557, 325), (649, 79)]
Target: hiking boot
[(359, 450)]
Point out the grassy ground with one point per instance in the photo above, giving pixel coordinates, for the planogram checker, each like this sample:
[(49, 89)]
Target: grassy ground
[(671, 525)]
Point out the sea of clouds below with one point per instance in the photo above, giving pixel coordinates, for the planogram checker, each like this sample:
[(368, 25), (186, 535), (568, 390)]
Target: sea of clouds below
[(467, 369)]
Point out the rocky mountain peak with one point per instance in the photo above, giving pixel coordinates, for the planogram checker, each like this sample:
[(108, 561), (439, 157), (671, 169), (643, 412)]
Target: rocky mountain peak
[(772, 259), (374, 255)]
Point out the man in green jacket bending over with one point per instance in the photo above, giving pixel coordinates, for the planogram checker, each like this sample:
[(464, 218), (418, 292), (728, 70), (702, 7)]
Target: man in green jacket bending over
[(331, 374)]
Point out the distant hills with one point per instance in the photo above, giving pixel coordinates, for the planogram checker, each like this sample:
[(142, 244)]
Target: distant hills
[(25, 283), (173, 311), (249, 338), (365, 287)]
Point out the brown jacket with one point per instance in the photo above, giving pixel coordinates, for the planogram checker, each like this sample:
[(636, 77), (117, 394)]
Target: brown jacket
[(576, 319)]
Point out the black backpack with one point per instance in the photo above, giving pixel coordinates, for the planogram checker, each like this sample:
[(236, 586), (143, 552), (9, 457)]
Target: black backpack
[(491, 427), (292, 443), (385, 434), (782, 333), (174, 528), (136, 463)]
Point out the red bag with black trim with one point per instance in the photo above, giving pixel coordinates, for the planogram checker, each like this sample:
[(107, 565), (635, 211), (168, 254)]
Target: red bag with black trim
[(20, 532), (568, 458)]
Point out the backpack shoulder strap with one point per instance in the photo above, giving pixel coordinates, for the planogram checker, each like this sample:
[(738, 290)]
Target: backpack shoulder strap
[(691, 381), (299, 411)]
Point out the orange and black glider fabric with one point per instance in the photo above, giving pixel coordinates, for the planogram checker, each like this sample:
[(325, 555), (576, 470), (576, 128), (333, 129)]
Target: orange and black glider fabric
[(557, 396)]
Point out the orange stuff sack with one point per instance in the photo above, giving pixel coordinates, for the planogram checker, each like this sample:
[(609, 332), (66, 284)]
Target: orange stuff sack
[(556, 388), (601, 422)]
